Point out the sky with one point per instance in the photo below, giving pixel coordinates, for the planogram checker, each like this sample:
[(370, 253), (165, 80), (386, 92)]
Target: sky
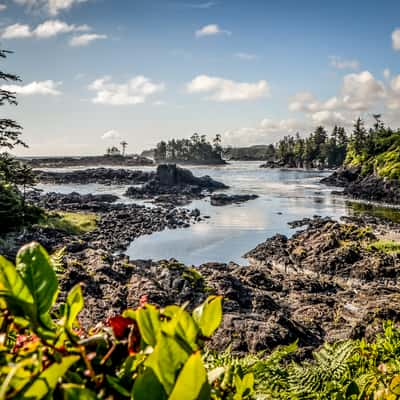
[(96, 72)]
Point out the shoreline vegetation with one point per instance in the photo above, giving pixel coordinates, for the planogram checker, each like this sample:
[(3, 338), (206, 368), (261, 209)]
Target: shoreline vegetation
[(314, 315)]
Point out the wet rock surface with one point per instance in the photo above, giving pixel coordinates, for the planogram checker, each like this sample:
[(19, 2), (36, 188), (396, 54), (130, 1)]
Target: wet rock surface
[(222, 199), (314, 287), (371, 187)]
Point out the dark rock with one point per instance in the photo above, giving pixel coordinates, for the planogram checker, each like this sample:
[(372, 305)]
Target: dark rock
[(370, 187), (221, 199), (106, 176), (174, 181)]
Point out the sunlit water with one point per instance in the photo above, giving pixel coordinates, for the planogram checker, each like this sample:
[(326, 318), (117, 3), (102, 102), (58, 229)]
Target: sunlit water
[(233, 230)]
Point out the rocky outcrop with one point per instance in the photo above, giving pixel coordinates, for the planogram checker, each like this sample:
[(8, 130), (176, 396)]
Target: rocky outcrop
[(328, 248), (173, 180), (105, 176), (72, 201), (370, 187), (222, 199)]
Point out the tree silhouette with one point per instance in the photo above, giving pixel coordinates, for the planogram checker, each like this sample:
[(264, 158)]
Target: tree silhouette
[(124, 144), (10, 130)]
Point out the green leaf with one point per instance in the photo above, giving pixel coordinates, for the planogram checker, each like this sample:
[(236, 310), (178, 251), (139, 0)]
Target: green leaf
[(209, 315), (166, 360), (14, 291), (77, 392), (35, 267), (395, 385), (117, 386), (148, 387), (47, 380), (183, 327), (148, 319), (352, 390), (74, 305), (192, 381)]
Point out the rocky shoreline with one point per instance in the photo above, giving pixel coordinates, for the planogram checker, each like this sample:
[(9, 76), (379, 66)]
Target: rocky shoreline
[(370, 187), (87, 161), (329, 281), (325, 283)]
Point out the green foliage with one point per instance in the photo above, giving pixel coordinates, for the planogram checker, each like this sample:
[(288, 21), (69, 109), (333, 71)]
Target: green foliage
[(14, 213), (376, 151), (197, 148), (73, 223), (387, 246), (148, 353), (15, 177)]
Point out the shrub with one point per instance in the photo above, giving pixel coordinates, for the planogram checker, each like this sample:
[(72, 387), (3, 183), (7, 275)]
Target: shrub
[(14, 213), (145, 353)]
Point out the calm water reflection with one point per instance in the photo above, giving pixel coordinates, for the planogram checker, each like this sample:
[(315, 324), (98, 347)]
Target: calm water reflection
[(233, 230)]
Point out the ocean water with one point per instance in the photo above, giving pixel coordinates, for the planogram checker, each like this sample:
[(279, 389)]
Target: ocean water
[(231, 231)]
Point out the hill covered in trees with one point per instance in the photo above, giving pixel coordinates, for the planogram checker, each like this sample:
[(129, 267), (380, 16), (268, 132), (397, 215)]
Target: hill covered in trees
[(371, 169), (196, 149)]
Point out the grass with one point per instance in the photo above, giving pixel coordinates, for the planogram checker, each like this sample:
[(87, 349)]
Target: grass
[(74, 223), (387, 246)]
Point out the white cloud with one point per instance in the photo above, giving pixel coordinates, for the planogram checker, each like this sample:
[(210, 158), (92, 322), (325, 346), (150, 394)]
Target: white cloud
[(53, 7), (2, 7), (267, 131), (205, 5), (44, 30), (211, 30), (48, 87), (16, 31), (329, 118), (386, 73), (227, 90), (359, 92), (396, 39), (339, 63), (85, 39), (246, 56), (55, 27), (135, 91), (111, 134)]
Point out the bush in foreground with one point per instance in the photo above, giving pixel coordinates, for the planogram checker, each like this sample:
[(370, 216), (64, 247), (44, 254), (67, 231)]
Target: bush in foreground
[(151, 353)]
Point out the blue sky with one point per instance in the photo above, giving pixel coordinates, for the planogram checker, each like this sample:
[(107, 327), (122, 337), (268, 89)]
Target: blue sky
[(97, 71)]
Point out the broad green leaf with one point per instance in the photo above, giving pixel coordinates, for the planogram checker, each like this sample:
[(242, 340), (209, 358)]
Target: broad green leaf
[(192, 381), (77, 392), (395, 385), (34, 265), (148, 319), (183, 327), (208, 316), (14, 290), (46, 382), (166, 360), (74, 305), (148, 387)]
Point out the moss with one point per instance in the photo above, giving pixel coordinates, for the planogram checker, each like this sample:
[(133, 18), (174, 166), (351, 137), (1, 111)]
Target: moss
[(388, 213), (386, 246), (73, 223), (193, 276)]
